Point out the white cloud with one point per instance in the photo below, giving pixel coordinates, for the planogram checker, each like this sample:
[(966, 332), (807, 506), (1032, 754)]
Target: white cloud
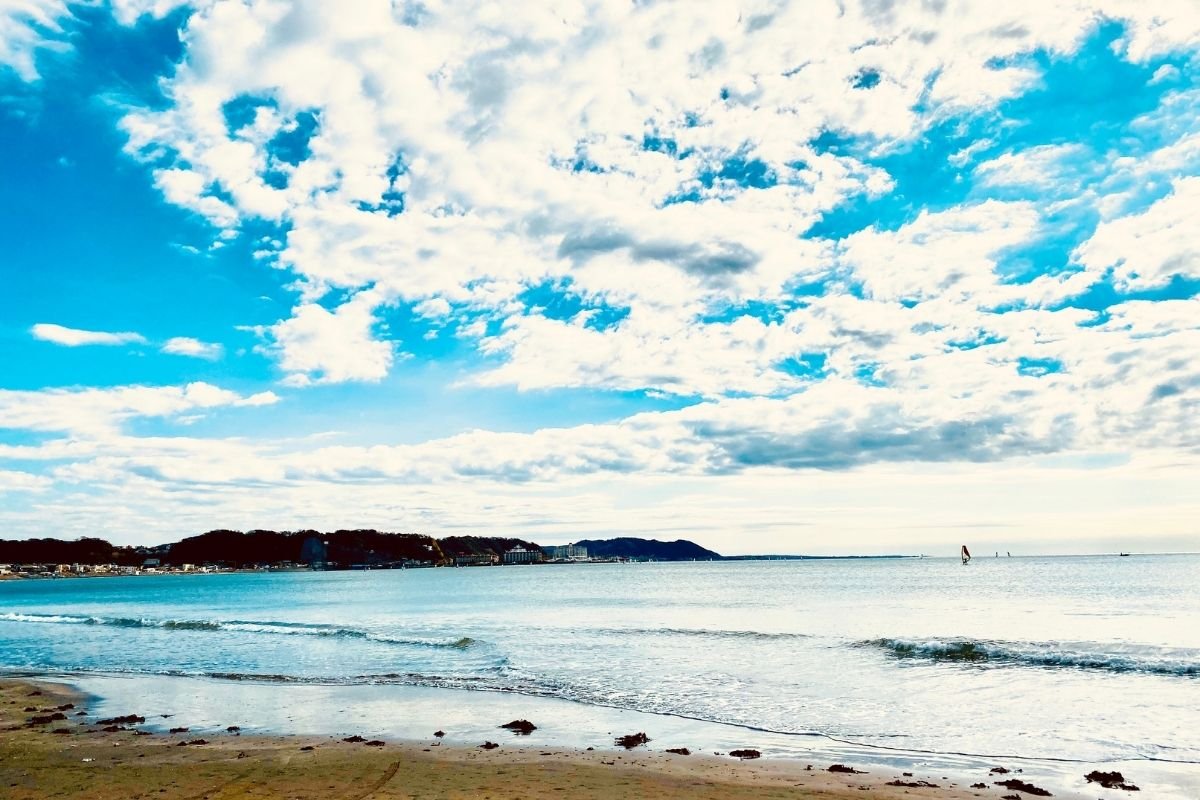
[(27, 26), (1040, 167), (331, 346), (74, 337), (513, 145), (1148, 249), (103, 410), (950, 255), (185, 346), (12, 481), (128, 12)]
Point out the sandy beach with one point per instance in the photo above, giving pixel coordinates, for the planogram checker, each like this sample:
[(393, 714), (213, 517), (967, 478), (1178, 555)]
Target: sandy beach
[(76, 757)]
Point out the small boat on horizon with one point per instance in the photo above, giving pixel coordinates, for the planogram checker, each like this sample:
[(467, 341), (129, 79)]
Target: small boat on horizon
[(966, 554), (1122, 554)]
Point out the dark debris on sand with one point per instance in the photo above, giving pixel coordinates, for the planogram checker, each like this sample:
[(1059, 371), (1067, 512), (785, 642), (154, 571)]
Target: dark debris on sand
[(521, 727), (376, 743), (489, 745), (632, 740), (745, 754), (46, 719), (1110, 780), (844, 768), (1022, 786), (126, 719), (355, 739), (914, 784), (439, 734), (679, 751), (179, 730)]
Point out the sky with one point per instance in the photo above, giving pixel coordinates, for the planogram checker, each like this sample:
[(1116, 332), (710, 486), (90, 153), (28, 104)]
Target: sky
[(870, 276)]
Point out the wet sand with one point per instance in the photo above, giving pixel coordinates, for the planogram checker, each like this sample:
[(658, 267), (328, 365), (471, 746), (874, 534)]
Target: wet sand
[(74, 757)]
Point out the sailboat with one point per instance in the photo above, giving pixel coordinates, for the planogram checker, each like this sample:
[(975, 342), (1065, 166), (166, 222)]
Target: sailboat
[(966, 554)]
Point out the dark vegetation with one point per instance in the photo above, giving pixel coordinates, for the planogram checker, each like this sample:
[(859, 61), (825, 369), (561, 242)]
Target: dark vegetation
[(57, 551), (338, 549), (457, 546), (648, 549)]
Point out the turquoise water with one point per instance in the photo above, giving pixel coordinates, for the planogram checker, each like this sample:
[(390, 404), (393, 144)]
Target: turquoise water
[(1089, 658)]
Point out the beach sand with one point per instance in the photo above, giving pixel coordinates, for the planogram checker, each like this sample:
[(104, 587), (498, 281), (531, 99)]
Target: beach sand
[(74, 757)]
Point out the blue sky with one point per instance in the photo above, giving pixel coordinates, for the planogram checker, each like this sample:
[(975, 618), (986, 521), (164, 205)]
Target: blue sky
[(736, 276)]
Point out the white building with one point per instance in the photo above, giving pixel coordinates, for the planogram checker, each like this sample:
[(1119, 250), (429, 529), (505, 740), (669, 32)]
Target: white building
[(519, 555), (569, 552)]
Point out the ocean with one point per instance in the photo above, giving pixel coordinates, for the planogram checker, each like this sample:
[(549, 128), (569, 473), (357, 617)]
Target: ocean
[(1090, 659)]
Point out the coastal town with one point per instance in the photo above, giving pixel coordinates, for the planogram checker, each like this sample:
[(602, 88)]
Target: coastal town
[(270, 551), (154, 566)]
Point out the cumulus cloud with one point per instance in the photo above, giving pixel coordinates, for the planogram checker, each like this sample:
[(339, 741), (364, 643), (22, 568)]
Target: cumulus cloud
[(407, 154), (951, 254), (75, 337), (103, 410), (1149, 249), (331, 346), (186, 346), (12, 481)]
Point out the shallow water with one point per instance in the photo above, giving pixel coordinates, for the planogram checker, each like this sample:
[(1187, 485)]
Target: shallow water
[(1088, 658)]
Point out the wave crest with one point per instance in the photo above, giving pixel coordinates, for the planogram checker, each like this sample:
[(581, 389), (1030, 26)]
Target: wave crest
[(1114, 658), (274, 628)]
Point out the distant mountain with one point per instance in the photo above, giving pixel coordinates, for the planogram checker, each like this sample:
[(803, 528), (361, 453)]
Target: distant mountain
[(646, 549)]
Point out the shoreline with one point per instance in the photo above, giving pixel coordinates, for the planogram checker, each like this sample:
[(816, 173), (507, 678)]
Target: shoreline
[(76, 757)]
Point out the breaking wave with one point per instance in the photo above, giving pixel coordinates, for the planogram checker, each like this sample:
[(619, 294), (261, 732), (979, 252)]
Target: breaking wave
[(702, 633), (1110, 658), (238, 626)]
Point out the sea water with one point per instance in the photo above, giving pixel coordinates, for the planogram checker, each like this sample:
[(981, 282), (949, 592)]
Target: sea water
[(1087, 658)]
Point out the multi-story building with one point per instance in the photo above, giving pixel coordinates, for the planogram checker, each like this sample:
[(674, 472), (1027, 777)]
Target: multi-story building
[(568, 552), (519, 555)]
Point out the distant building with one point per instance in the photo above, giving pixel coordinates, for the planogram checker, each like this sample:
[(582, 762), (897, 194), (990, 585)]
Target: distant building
[(519, 555), (569, 552), (476, 560), (151, 563), (314, 552)]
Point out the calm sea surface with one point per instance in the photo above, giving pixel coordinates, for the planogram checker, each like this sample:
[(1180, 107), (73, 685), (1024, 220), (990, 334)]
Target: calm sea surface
[(1090, 658)]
